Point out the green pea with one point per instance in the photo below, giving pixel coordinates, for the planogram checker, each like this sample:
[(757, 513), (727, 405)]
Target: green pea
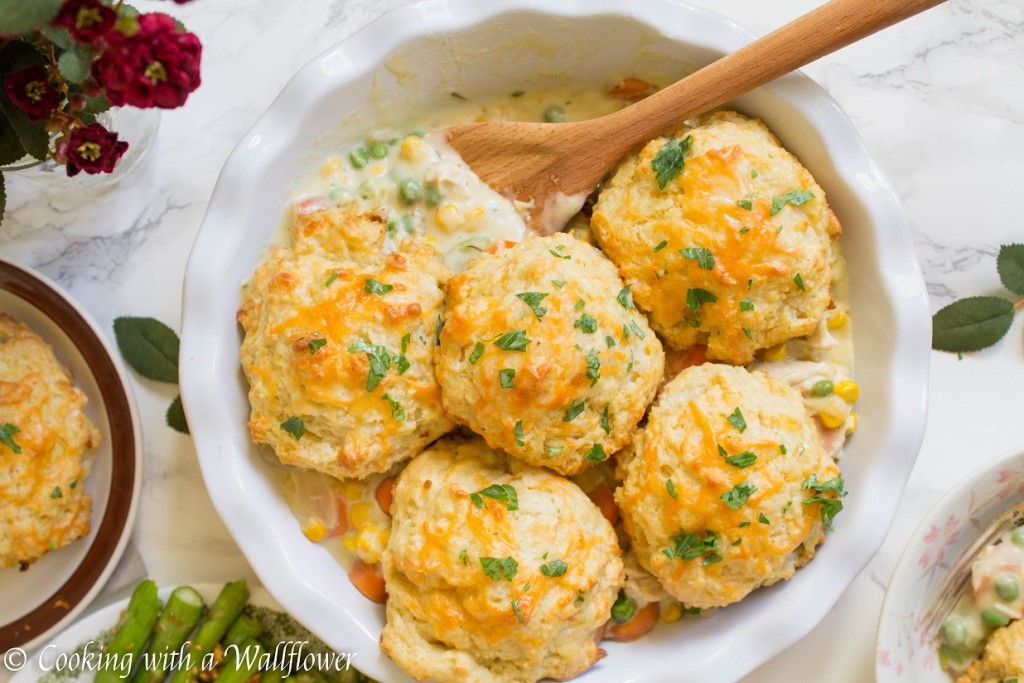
[(368, 190), (378, 150), (359, 157), (409, 190), (822, 388), (954, 631), (624, 609), (1007, 586), (432, 195), (994, 618), (1018, 537), (554, 114)]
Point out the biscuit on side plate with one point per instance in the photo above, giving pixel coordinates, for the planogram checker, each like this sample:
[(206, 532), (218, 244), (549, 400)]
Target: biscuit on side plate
[(733, 251), (45, 449), (495, 570), (339, 359), (727, 486)]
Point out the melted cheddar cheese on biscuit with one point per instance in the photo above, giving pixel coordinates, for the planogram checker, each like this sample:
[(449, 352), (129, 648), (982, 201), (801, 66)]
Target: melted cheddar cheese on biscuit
[(495, 570), (727, 487), (724, 237)]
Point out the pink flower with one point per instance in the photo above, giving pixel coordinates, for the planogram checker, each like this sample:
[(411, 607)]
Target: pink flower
[(941, 538), (29, 89), (156, 66), (86, 20), (93, 149)]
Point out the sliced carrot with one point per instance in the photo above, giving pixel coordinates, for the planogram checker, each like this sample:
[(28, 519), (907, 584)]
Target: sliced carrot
[(386, 493), (310, 205), (500, 245), (640, 625), (368, 580), (605, 501), (631, 89), (341, 524)]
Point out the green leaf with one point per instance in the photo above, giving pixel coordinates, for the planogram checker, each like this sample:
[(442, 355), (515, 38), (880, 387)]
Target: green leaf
[(971, 324), (374, 287), (295, 426), (669, 160), (22, 16), (507, 377), (60, 37), (574, 410), (625, 298), (533, 299), (1010, 263), (478, 351), (503, 493), (73, 64), (149, 346), (7, 432), (596, 453), (736, 420), (497, 568), (794, 197), (736, 497), (11, 149), (705, 259), (513, 341), (554, 568), (176, 416)]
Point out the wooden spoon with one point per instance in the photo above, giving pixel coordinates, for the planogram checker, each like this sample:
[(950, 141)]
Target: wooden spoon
[(541, 162)]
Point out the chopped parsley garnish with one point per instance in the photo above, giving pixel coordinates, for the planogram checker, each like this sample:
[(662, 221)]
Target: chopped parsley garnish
[(736, 420), (764, 520), (830, 507), (294, 426), (702, 255), (753, 173), (782, 448), (636, 330), (331, 278), (555, 451), (374, 287), (515, 608), (518, 93), (746, 305), (513, 341), (670, 486), (402, 364), (661, 245), (688, 545), (740, 460), (586, 324), (503, 493), (397, 411), (625, 297), (7, 433), (558, 283), (437, 331), (554, 568), (794, 197), (520, 437), (315, 345), (609, 341), (574, 410), (596, 453), (497, 568), (56, 493), (478, 351), (697, 297), (738, 495), (745, 204), (73, 485), (557, 252), (406, 338), (579, 305), (747, 334), (464, 558), (669, 160), (606, 422), (799, 281), (743, 524), (593, 367), (533, 299), (506, 376), (380, 361), (744, 230)]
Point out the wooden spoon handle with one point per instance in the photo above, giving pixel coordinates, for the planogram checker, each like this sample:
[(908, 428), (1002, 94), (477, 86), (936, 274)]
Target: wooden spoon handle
[(815, 34)]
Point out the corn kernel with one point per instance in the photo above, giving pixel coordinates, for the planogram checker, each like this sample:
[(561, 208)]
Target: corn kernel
[(851, 424), (315, 531), (368, 544), (847, 390), (352, 490), (412, 148), (331, 166), (838, 319), (349, 542), (385, 536), (449, 216), (672, 613), (359, 514), (476, 214), (831, 420), (775, 353)]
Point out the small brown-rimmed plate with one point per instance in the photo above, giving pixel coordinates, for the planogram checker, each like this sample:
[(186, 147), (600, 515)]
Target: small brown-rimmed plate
[(49, 594)]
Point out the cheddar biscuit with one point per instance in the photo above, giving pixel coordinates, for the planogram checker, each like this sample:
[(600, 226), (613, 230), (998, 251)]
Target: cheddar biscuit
[(727, 487), (339, 360), (1002, 659), (544, 354), (495, 570), (724, 237), (46, 449)]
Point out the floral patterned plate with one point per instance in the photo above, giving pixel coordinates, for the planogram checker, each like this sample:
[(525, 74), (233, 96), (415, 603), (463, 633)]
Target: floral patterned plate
[(904, 651)]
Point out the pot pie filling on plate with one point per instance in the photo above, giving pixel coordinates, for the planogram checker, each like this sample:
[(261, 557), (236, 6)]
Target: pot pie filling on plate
[(681, 356)]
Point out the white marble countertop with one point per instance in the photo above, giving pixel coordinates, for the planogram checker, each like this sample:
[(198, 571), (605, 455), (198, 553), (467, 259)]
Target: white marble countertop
[(939, 102)]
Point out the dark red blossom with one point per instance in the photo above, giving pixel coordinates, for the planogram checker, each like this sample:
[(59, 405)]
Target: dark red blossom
[(93, 149), (156, 66), (86, 20), (29, 89)]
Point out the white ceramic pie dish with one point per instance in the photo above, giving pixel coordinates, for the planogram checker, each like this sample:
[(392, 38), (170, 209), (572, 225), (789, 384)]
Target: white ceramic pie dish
[(412, 59)]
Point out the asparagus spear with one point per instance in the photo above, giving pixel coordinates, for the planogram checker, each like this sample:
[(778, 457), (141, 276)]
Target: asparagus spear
[(225, 609), (243, 628), (139, 619), (182, 612), (242, 662)]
